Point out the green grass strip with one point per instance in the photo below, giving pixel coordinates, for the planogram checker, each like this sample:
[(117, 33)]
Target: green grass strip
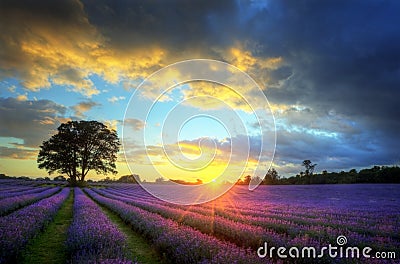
[(49, 246), (139, 248)]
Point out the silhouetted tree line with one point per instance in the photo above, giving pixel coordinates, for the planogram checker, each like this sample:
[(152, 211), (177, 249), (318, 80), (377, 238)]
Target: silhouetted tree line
[(376, 174), (197, 182), (133, 178)]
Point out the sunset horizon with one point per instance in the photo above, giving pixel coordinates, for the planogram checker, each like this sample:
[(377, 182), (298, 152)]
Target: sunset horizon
[(199, 131), (331, 84)]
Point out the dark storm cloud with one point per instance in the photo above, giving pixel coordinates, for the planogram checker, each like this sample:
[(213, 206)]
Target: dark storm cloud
[(341, 52), (82, 107), (46, 43), (171, 24), (341, 59), (341, 55), (31, 121), (345, 59), (17, 153), (60, 10), (331, 153)]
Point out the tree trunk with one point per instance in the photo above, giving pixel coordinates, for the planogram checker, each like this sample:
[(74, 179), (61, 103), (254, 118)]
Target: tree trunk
[(73, 179), (74, 171), (83, 171)]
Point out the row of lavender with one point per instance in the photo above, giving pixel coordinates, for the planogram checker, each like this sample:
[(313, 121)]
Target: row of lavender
[(18, 200), (316, 225), (241, 234), (330, 217), (12, 183), (21, 190), (295, 226), (244, 224), (180, 243), (297, 214), (92, 237), (18, 227), (6, 190)]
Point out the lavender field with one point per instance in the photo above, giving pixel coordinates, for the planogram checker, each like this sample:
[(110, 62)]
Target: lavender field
[(239, 227)]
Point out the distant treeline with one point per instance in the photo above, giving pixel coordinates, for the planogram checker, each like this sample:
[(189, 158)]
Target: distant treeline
[(123, 179), (376, 174)]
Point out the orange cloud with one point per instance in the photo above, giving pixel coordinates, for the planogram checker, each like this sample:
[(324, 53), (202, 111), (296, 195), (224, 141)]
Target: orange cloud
[(46, 50), (22, 97), (207, 95), (112, 124), (18, 153), (48, 121), (245, 61), (136, 124), (83, 107), (191, 160)]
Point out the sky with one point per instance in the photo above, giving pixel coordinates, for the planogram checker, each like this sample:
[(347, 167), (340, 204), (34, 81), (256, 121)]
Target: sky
[(330, 71)]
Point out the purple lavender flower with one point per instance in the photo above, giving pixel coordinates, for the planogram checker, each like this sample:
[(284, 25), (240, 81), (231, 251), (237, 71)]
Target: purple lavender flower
[(18, 227), (180, 243), (92, 237), (9, 204), (21, 190)]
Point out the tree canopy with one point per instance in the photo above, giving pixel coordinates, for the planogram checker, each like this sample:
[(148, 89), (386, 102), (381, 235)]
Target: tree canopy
[(77, 148), (309, 167), (376, 174)]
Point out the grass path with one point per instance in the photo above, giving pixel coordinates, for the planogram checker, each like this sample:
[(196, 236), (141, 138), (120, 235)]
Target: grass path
[(139, 248), (49, 246)]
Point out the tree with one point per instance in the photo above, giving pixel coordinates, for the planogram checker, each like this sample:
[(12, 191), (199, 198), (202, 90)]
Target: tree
[(77, 148), (247, 180), (309, 167), (60, 178), (133, 178), (256, 180), (160, 180), (271, 177)]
